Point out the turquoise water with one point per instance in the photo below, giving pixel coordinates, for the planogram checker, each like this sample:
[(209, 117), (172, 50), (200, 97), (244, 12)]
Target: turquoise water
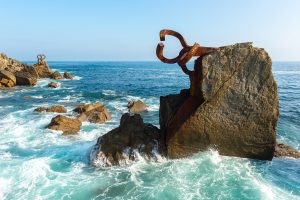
[(36, 163)]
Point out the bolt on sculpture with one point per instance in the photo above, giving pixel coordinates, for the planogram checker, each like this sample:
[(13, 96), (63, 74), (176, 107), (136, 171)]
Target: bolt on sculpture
[(41, 59), (184, 56)]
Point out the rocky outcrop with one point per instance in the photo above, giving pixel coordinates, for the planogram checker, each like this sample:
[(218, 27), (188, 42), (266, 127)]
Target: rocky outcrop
[(53, 85), (68, 75), (283, 150), (7, 78), (43, 70), (58, 109), (133, 138), (65, 124), (56, 75), (25, 78), (136, 106), (94, 113), (238, 111)]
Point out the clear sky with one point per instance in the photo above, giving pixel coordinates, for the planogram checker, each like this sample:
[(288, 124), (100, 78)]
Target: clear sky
[(128, 30)]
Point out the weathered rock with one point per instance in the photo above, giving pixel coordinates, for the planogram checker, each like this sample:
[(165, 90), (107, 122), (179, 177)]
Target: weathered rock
[(7, 75), (68, 75), (65, 124), (25, 78), (94, 113), (43, 70), (237, 114), (56, 75), (283, 150), (58, 109), (120, 145), (136, 106), (54, 85), (10, 64)]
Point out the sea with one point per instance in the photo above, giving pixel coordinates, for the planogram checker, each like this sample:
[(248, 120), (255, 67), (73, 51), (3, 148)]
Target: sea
[(37, 163)]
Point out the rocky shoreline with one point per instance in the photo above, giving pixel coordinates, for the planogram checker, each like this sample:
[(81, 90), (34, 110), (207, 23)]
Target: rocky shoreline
[(236, 115)]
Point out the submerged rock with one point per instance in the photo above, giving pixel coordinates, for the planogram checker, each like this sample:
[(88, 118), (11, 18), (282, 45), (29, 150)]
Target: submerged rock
[(68, 75), (133, 138), (136, 106), (238, 112), (65, 124), (58, 109), (54, 85), (283, 150), (56, 75), (94, 113)]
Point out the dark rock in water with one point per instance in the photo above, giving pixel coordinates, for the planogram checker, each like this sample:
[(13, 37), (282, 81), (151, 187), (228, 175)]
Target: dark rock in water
[(283, 150), (68, 75), (56, 75), (25, 78), (43, 70), (94, 113), (58, 109), (7, 78), (237, 114), (136, 106), (54, 85), (119, 146), (65, 124)]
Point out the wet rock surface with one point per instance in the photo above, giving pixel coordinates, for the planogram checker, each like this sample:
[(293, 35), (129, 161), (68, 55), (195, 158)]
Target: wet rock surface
[(94, 113), (136, 106), (240, 110), (125, 143), (283, 150), (53, 85), (56, 75), (68, 75), (66, 124)]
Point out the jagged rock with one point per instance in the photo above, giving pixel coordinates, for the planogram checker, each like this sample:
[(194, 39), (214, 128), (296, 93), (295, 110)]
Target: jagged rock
[(136, 106), (68, 75), (53, 85), (10, 77), (65, 124), (10, 64), (25, 78), (238, 112), (56, 75), (43, 70), (94, 113), (118, 146), (58, 109), (283, 150)]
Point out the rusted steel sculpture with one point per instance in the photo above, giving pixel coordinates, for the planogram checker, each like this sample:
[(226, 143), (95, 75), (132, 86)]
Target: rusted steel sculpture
[(41, 58), (184, 56)]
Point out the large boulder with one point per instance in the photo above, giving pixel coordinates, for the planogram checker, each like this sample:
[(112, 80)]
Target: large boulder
[(68, 75), (56, 75), (238, 112), (65, 124), (53, 85), (25, 78), (133, 138), (7, 75), (57, 109), (94, 113), (43, 70), (136, 106)]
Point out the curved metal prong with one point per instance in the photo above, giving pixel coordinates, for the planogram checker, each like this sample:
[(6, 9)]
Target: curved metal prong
[(165, 32), (160, 55)]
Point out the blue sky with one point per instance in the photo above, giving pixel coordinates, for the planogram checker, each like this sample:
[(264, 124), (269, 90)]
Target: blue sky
[(128, 30)]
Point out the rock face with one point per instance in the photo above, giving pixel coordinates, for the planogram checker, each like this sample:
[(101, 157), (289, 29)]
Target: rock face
[(25, 78), (58, 109), (136, 106), (68, 75), (54, 85), (94, 113), (65, 124), (283, 150), (43, 70), (7, 78), (239, 109), (120, 145), (56, 75)]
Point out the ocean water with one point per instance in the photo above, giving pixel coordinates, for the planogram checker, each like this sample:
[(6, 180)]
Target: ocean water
[(36, 163)]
